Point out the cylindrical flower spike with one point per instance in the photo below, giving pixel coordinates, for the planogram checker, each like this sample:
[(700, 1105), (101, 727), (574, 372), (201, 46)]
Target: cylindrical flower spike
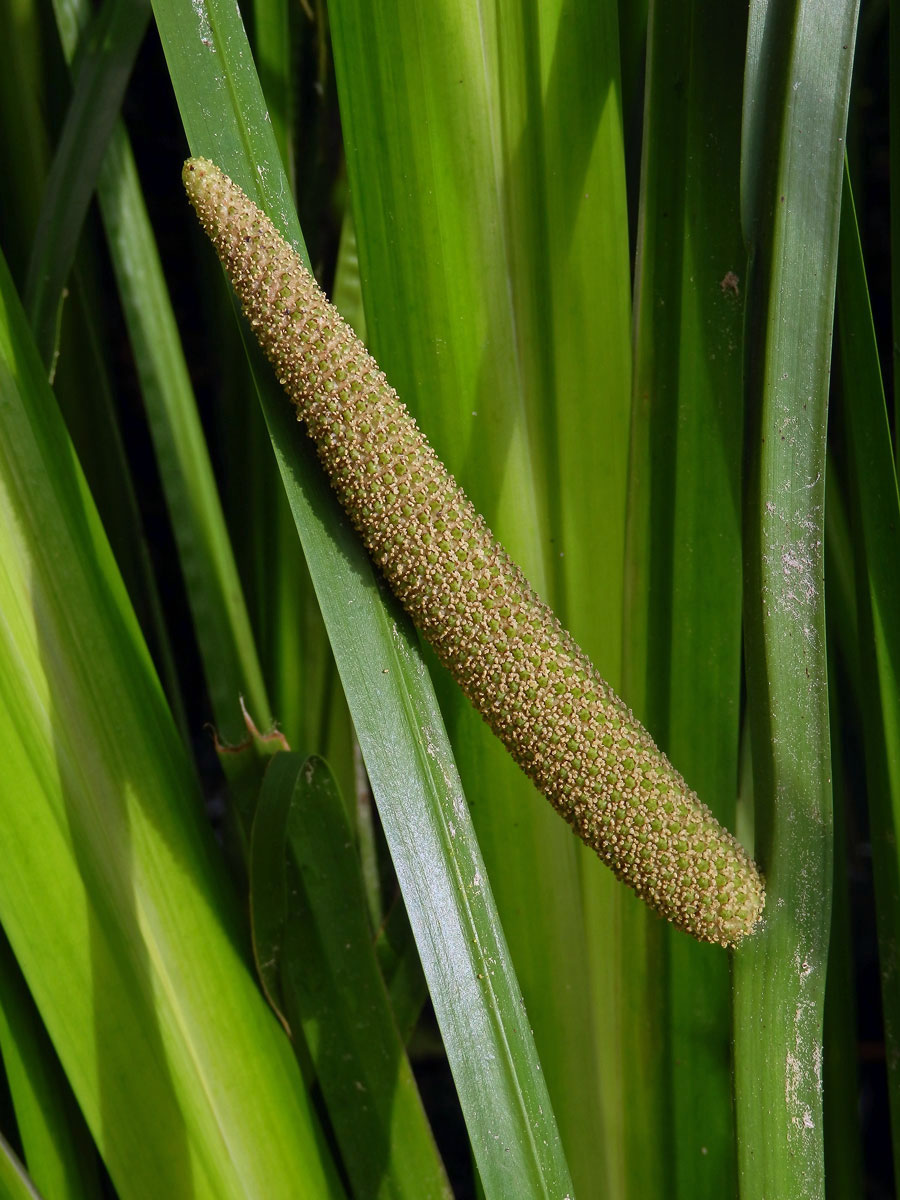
[(537, 690)]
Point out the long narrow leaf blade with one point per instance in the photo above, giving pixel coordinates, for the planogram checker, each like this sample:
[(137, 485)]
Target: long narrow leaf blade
[(397, 720), (14, 1181), (56, 1145), (112, 882), (797, 84), (103, 74), (220, 617), (489, 140), (683, 618), (330, 982)]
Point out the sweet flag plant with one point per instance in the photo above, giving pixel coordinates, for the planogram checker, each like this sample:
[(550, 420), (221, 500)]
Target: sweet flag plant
[(537, 690)]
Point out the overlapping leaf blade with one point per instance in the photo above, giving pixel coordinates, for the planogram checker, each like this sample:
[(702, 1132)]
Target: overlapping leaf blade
[(397, 722), (683, 623), (112, 883), (488, 142), (797, 84), (313, 935)]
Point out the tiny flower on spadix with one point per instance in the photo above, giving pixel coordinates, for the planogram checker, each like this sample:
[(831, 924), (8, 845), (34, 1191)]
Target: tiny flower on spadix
[(538, 691)]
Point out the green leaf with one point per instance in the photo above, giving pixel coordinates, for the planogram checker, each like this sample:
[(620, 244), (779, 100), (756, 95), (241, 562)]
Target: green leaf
[(102, 71), (486, 173), (398, 960), (322, 953), (14, 1181), (82, 379), (113, 883), (273, 49), (347, 295), (413, 776), (442, 876), (796, 90), (57, 1147), (214, 591), (683, 617)]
